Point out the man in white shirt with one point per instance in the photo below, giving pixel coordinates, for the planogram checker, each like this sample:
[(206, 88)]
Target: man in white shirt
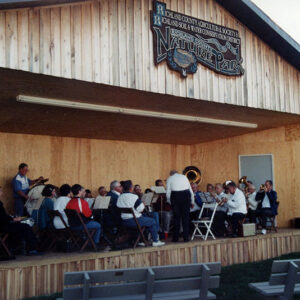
[(221, 211), (130, 200), (60, 205), (252, 203), (236, 205), (181, 197)]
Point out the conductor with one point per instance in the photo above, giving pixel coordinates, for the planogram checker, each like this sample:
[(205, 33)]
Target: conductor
[(181, 196)]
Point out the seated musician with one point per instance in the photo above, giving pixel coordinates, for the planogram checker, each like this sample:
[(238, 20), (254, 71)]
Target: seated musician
[(268, 205), (60, 204), (129, 200), (164, 209), (208, 196), (21, 185), (17, 231), (221, 211), (89, 198), (112, 216), (236, 206), (40, 216), (252, 203), (148, 209), (81, 206), (195, 210), (102, 191)]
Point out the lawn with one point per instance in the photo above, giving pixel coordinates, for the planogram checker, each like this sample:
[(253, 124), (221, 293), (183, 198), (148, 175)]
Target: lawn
[(234, 280)]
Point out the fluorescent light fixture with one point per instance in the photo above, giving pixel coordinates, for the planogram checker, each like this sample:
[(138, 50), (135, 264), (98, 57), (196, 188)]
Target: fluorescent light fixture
[(130, 111)]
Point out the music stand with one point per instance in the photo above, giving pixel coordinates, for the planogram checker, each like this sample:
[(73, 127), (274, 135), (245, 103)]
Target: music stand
[(101, 202), (147, 198)]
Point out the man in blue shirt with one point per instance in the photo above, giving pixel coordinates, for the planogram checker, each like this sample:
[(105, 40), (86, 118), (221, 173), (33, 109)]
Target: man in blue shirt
[(21, 186)]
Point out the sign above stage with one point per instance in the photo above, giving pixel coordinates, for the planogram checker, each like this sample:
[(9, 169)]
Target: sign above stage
[(183, 41)]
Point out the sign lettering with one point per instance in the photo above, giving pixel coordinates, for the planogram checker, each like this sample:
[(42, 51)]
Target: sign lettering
[(184, 41)]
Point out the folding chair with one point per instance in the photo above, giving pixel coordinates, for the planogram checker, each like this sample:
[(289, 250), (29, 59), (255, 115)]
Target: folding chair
[(139, 228), (60, 234), (75, 219), (205, 222), (3, 237)]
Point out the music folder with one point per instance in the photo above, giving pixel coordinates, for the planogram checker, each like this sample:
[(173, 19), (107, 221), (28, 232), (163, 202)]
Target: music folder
[(147, 198), (158, 189), (101, 202)]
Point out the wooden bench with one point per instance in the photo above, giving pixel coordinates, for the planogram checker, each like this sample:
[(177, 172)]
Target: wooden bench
[(164, 282), (284, 280)]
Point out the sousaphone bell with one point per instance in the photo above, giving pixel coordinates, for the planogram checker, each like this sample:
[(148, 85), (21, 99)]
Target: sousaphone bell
[(193, 174)]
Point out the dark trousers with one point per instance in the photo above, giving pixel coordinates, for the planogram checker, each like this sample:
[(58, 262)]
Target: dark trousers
[(181, 203), (263, 214), (18, 232), (252, 215), (194, 215), (218, 226), (235, 218)]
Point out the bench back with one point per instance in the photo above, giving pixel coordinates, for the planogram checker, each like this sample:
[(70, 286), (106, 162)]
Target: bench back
[(285, 272), (281, 269), (125, 282)]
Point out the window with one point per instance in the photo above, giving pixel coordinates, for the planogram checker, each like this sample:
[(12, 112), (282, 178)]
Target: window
[(257, 168)]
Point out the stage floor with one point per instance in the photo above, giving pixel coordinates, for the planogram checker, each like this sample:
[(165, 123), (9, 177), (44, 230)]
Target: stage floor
[(40, 275)]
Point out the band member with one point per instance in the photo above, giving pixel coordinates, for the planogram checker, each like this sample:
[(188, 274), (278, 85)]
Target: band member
[(21, 185), (81, 206), (129, 200), (221, 211), (268, 206), (208, 196), (138, 191), (194, 211), (102, 191), (252, 203), (164, 209), (60, 204), (40, 216), (17, 231), (236, 205), (181, 196), (112, 216)]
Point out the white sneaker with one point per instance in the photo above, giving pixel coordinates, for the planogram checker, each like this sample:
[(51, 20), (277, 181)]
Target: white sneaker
[(158, 243), (141, 244), (264, 231)]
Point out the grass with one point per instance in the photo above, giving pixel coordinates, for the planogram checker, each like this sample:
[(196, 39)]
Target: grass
[(234, 280)]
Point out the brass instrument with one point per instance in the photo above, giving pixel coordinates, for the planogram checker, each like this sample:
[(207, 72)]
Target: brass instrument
[(262, 187), (193, 174), (243, 180)]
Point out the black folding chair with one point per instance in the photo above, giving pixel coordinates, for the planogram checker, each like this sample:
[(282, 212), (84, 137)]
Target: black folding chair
[(60, 234), (75, 219), (3, 238), (140, 230)]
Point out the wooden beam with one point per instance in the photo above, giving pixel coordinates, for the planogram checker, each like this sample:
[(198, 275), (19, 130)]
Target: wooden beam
[(4, 4)]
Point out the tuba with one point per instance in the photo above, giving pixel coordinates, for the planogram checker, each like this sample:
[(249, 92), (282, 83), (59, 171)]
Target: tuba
[(193, 174)]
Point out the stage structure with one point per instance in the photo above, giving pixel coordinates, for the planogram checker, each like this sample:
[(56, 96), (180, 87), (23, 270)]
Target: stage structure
[(93, 91)]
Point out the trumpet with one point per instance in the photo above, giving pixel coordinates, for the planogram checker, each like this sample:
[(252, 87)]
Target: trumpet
[(262, 187), (243, 180), (222, 201)]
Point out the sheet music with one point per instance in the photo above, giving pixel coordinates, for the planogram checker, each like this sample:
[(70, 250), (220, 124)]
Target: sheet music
[(158, 189), (102, 202), (147, 198)]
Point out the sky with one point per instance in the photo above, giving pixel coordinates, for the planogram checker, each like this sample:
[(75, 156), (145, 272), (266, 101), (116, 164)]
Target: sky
[(285, 13)]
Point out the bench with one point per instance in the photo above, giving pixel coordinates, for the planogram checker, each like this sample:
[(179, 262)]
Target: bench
[(284, 280), (176, 282)]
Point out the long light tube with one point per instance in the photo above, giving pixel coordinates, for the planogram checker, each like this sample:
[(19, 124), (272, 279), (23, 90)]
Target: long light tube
[(130, 111)]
